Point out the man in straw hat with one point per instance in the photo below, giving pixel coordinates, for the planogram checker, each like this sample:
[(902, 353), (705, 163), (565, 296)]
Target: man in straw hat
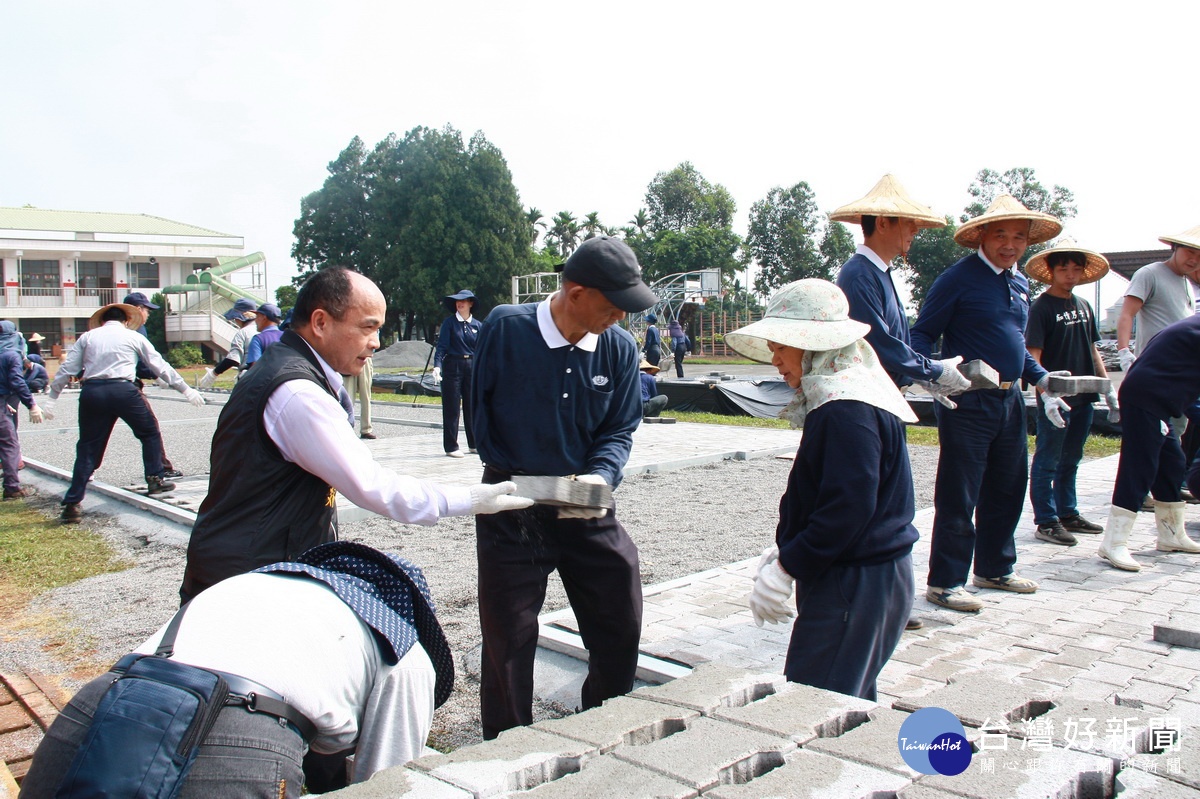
[(1062, 335), (890, 221), (107, 357), (979, 307), (845, 532), (652, 402)]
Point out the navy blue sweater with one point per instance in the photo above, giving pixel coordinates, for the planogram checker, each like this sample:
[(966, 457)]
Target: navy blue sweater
[(1165, 378), (873, 301), (456, 338), (554, 411), (849, 498), (979, 314)]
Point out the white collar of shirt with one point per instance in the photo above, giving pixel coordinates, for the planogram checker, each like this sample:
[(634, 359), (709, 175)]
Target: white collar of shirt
[(555, 339), (995, 268), (872, 256), (335, 379), (460, 317)]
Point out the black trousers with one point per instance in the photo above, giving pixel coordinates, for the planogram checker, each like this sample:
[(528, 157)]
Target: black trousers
[(598, 565), (456, 391), (1150, 461), (150, 408), (101, 403)]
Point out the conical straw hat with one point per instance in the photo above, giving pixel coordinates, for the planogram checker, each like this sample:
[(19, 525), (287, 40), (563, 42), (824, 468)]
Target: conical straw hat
[(888, 198), (1096, 265), (133, 317), (1188, 238), (1042, 227)]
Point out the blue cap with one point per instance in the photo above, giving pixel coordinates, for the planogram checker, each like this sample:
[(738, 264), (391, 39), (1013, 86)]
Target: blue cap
[(241, 307), (651, 318), (270, 310), (139, 299)]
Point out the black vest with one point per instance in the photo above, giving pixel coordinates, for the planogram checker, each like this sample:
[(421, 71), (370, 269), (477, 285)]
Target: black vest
[(260, 508)]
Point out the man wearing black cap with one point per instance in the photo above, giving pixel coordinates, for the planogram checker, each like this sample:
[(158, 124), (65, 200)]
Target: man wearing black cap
[(556, 393), (138, 300)]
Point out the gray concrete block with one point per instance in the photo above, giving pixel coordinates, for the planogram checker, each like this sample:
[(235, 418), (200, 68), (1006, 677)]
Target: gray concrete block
[(1071, 385), (873, 743), (1081, 723), (710, 753), (1178, 633), (711, 686), (981, 374), (623, 721), (800, 712), (975, 698), (607, 778), (811, 775), (520, 759), (1136, 784), (1029, 774), (563, 491), (401, 783)]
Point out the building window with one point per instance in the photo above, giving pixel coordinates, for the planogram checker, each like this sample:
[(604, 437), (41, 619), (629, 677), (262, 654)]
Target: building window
[(39, 275), (94, 275), (51, 330), (144, 275)]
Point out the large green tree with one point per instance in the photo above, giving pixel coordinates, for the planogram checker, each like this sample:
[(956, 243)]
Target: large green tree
[(930, 253), (435, 216), (682, 198), (788, 240)]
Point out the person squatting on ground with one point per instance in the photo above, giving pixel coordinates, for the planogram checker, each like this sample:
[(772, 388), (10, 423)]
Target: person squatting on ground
[(1163, 381), (15, 393), (979, 307), (106, 358), (345, 635), (845, 532), (285, 445), (1061, 336), (242, 316), (34, 375), (564, 364), (453, 367), (652, 402)]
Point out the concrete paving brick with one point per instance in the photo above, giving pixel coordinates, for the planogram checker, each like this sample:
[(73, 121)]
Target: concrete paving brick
[(401, 783), (1036, 774), (623, 721), (1014, 655), (1054, 673), (910, 687), (1180, 656), (713, 686), (801, 713), (1142, 692), (606, 778), (1077, 656), (873, 743), (1091, 725), (1106, 644), (1087, 688), (520, 759), (1176, 676), (1178, 633), (1132, 783), (917, 654), (710, 753), (1132, 658), (1110, 673), (1046, 643), (977, 697), (942, 670), (811, 775)]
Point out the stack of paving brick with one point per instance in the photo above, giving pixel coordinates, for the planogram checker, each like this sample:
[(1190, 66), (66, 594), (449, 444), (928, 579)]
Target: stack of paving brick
[(725, 733), (29, 703)]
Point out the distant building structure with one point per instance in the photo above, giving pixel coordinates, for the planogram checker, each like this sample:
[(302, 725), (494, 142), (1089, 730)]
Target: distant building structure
[(58, 267)]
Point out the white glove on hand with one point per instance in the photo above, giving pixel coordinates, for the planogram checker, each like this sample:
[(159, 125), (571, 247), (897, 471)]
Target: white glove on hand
[(954, 381), (210, 377), (772, 589), (1166, 431), (36, 415), (496, 497), (1126, 358), (938, 393), (47, 406), (1054, 408), (195, 397), (1045, 381), (585, 513), (437, 375), (1114, 409)]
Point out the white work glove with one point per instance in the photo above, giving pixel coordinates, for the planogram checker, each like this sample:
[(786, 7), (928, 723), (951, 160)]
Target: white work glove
[(47, 406), (952, 380), (1054, 408), (195, 397), (1045, 381), (585, 513), (1166, 431), (437, 375), (772, 590), (1126, 357), (210, 377), (938, 393), (36, 415), (1114, 409), (496, 497)]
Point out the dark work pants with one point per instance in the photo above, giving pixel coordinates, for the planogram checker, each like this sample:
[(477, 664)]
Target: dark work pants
[(166, 462), (680, 353), (1150, 461), (654, 406), (456, 391), (244, 755), (847, 625), (101, 403), (10, 445), (598, 565), (653, 355), (980, 490)]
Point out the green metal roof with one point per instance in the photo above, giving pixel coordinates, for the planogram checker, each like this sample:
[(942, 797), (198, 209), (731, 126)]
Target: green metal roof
[(98, 222)]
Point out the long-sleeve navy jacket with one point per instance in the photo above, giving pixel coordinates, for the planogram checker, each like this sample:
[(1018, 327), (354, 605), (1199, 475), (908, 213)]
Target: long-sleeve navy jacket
[(12, 372), (553, 411), (1165, 379), (456, 338), (873, 301), (979, 314), (849, 498)]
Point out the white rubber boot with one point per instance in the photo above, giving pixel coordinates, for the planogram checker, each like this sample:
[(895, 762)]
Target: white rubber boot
[(1114, 547), (1172, 537)]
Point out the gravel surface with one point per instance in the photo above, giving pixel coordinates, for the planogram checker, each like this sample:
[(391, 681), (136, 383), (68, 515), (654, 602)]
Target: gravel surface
[(683, 522)]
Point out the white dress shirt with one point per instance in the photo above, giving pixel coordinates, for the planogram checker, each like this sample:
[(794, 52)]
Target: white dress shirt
[(112, 352)]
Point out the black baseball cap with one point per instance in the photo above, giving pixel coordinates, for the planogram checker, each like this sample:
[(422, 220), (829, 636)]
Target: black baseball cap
[(608, 265), (139, 299)]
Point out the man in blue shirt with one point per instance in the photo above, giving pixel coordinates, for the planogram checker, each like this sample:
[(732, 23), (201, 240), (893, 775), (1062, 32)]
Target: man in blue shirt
[(652, 402), (979, 307), (267, 318), (556, 393)]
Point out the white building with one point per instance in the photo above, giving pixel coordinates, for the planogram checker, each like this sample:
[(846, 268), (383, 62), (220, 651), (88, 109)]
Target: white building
[(60, 266)]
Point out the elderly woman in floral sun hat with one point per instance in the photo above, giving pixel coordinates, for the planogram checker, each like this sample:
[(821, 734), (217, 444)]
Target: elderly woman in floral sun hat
[(845, 533)]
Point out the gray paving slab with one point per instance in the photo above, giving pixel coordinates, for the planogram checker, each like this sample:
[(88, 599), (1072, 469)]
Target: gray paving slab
[(1133, 783), (800, 712), (623, 721), (402, 783), (607, 778), (811, 775), (1029, 774)]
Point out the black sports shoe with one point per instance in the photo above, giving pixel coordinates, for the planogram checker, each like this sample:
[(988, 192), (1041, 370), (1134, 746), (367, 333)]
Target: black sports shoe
[(1078, 524), (172, 473), (157, 485), (1055, 533), (72, 513)]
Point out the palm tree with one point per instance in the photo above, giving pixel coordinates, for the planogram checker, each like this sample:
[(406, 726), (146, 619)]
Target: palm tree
[(534, 217), (640, 220), (565, 232), (592, 224)]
